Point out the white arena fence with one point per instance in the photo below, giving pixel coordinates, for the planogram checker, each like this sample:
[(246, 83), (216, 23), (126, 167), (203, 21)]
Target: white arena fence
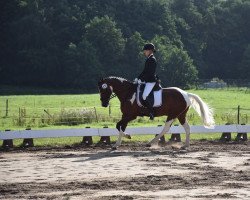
[(226, 130)]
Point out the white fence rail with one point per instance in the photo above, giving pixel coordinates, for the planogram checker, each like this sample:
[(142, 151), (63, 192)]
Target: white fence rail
[(22, 134)]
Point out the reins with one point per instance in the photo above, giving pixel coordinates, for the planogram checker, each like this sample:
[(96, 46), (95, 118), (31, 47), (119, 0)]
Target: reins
[(112, 96)]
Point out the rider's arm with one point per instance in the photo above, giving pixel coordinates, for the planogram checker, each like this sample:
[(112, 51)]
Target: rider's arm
[(149, 70)]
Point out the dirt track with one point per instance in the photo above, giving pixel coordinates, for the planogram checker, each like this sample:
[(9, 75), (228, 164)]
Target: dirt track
[(210, 170)]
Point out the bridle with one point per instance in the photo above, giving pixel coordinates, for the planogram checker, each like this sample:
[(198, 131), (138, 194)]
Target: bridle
[(112, 96)]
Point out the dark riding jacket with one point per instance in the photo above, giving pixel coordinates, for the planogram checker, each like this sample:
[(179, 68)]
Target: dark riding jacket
[(148, 74)]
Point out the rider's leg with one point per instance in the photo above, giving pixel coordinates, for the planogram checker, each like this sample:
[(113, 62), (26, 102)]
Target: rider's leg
[(146, 92), (150, 108)]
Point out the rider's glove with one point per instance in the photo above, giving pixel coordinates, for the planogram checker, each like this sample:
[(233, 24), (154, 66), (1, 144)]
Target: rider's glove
[(139, 81), (136, 80)]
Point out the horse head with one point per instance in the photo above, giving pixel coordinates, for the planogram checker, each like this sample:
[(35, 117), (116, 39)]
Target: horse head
[(121, 87), (105, 90)]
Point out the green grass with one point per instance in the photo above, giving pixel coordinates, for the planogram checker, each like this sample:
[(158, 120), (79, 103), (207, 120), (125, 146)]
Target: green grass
[(64, 111), (55, 112)]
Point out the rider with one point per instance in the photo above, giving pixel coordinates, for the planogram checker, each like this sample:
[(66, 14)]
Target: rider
[(148, 75)]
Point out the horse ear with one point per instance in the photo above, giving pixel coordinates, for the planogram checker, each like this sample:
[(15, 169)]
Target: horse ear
[(100, 79)]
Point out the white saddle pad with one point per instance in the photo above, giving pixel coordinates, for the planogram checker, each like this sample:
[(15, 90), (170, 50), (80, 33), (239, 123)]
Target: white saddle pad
[(157, 98)]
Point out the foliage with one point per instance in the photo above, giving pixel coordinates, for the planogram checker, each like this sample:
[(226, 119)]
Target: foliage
[(180, 69), (245, 63), (108, 41), (134, 61), (70, 44)]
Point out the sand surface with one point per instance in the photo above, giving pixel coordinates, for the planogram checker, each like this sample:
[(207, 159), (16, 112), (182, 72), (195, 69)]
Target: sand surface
[(210, 170)]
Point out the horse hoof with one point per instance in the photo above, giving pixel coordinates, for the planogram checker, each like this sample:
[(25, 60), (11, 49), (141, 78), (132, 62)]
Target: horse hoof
[(114, 148), (148, 145), (184, 148), (128, 137)]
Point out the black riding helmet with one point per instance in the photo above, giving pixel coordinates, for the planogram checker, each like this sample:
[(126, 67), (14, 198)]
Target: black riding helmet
[(149, 46)]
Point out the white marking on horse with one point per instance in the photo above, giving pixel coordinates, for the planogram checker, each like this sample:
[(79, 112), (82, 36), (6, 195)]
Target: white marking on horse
[(104, 86), (117, 78), (184, 94), (187, 130), (132, 99)]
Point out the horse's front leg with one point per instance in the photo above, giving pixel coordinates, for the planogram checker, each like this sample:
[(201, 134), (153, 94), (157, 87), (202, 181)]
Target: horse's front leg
[(121, 126)]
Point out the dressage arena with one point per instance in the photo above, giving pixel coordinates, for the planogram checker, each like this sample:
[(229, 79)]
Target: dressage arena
[(209, 170)]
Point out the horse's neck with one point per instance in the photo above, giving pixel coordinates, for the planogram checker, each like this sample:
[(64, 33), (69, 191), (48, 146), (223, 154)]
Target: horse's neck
[(122, 88)]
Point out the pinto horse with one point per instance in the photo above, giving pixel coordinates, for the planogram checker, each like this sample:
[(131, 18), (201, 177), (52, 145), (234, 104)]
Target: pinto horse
[(175, 104)]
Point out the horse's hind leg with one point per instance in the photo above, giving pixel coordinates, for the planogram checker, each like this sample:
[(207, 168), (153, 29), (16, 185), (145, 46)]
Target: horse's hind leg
[(182, 119), (164, 130)]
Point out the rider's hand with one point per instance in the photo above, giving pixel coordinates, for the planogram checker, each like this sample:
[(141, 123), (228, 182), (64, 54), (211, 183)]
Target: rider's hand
[(139, 81), (136, 80)]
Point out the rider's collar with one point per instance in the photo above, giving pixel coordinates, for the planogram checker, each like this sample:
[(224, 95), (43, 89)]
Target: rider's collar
[(150, 55)]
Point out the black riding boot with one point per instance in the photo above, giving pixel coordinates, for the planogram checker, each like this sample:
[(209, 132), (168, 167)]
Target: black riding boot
[(150, 108)]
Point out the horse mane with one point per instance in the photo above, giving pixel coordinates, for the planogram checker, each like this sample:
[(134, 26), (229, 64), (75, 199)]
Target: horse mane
[(117, 78)]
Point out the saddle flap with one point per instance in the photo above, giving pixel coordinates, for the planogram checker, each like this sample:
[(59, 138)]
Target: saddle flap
[(154, 98)]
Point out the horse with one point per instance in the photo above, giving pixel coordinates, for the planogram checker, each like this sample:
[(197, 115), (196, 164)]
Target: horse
[(175, 104)]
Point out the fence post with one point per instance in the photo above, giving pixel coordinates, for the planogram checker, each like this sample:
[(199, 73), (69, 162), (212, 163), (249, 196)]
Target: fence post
[(47, 112), (175, 137), (87, 140), (7, 143), (7, 107), (19, 118), (104, 139), (28, 142), (226, 136), (238, 115), (109, 110), (241, 136), (96, 115)]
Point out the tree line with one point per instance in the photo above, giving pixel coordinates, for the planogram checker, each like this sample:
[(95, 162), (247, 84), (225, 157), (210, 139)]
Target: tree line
[(72, 43)]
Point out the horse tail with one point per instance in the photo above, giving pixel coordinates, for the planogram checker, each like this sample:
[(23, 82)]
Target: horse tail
[(204, 111)]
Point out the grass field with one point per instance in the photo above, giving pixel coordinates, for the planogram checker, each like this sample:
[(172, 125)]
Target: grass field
[(74, 111), (62, 111)]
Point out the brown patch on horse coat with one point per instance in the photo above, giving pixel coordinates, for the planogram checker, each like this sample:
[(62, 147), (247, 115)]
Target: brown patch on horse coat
[(173, 103)]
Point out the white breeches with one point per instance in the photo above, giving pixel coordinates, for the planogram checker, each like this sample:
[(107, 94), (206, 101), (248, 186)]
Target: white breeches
[(147, 90)]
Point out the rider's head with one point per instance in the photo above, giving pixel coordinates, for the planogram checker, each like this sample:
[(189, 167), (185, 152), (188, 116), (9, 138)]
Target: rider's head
[(148, 49)]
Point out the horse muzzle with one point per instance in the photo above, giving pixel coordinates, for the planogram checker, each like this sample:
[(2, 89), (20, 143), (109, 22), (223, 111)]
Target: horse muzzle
[(105, 104)]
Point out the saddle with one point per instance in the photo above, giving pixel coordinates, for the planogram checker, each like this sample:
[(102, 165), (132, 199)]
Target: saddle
[(154, 97)]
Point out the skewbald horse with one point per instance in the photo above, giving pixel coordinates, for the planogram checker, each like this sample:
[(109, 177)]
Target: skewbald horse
[(175, 104)]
